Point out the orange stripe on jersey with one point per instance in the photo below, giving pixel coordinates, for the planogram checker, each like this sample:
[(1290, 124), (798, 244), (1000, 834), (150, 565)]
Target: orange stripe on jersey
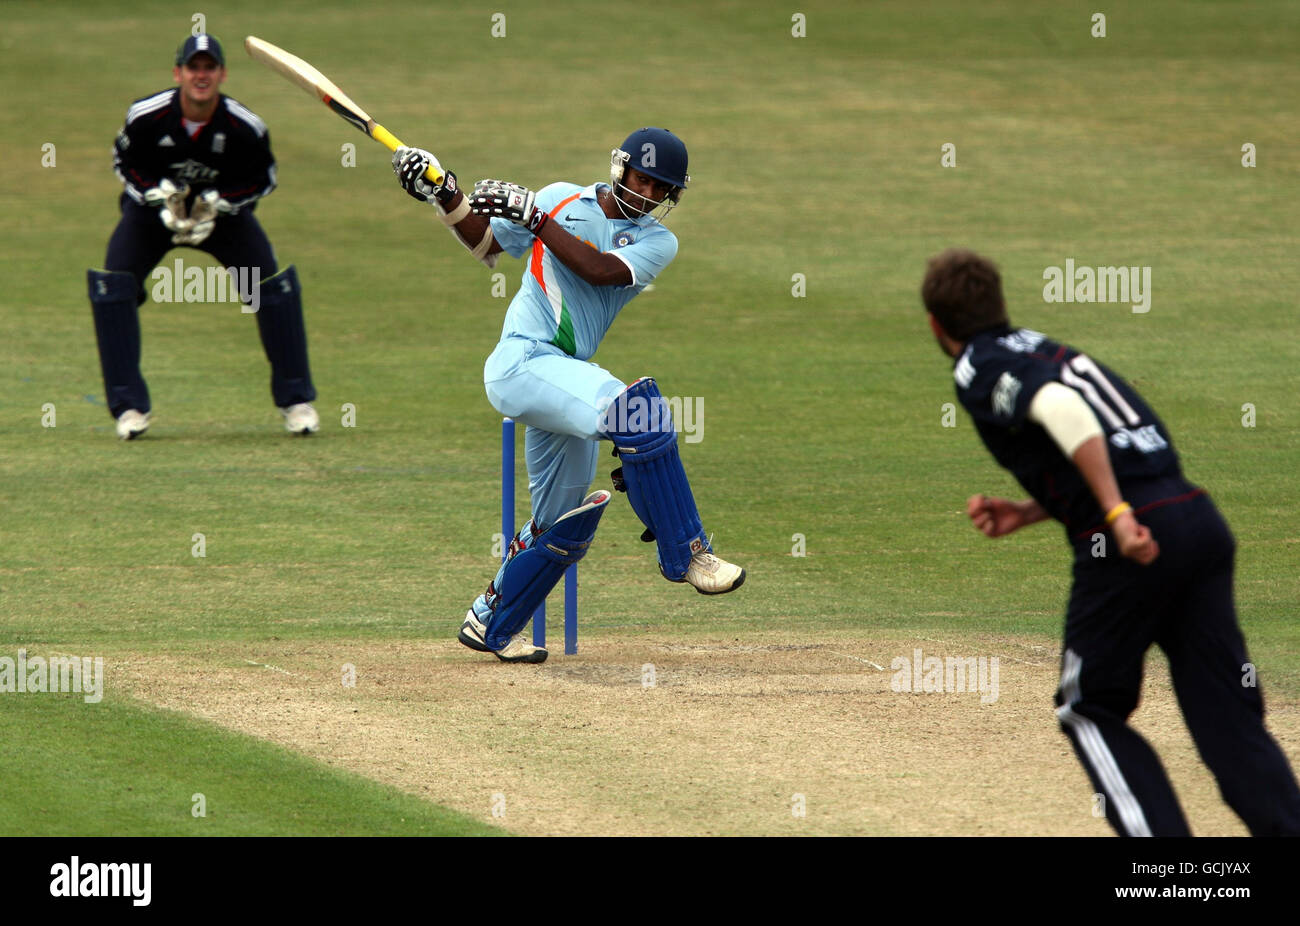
[(535, 265)]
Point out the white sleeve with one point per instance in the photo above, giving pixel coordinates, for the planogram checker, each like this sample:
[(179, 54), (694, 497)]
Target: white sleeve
[(1065, 415)]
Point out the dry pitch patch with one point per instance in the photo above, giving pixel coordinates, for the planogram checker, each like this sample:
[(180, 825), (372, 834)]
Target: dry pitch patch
[(734, 737)]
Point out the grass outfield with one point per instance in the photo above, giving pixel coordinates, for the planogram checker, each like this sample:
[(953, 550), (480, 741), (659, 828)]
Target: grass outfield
[(817, 156), (120, 769)]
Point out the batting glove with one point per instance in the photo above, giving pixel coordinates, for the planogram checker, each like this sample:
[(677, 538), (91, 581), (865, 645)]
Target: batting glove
[(496, 198), (410, 165)]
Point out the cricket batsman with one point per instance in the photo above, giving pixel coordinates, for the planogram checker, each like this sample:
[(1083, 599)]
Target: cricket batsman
[(589, 250), (193, 163)]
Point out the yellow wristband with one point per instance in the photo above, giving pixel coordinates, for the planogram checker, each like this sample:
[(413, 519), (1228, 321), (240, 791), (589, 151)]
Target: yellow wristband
[(1114, 513)]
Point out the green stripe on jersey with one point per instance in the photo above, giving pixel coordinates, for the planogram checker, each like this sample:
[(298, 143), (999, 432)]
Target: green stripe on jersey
[(564, 339)]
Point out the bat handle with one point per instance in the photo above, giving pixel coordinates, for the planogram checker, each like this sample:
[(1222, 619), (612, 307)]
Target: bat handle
[(385, 137), (392, 143)]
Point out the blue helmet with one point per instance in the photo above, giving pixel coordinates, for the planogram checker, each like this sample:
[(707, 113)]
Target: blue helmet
[(657, 153)]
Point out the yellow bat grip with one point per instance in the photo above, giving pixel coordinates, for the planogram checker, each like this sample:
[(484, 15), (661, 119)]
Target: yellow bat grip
[(392, 143), (385, 137)]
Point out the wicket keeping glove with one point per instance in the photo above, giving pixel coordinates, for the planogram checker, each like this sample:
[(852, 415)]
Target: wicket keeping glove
[(496, 198), (203, 218), (410, 164), (172, 200)]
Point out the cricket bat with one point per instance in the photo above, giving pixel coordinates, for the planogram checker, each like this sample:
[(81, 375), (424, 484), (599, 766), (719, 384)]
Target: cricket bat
[(320, 86)]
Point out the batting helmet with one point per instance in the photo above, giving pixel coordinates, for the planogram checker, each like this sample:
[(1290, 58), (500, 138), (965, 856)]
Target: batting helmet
[(657, 153)]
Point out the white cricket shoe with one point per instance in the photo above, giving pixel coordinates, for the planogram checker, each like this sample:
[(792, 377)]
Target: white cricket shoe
[(473, 634), (131, 424), (300, 419), (713, 576)]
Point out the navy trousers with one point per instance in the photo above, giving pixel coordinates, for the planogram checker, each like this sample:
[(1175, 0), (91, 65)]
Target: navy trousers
[(1183, 603), (136, 246)]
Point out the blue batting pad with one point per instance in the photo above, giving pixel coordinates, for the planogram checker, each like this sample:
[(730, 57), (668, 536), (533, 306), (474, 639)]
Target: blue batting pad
[(530, 573), (640, 424)]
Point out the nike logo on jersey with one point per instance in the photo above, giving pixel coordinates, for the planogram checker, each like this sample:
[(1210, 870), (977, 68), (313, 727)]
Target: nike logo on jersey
[(166, 142), (573, 218)]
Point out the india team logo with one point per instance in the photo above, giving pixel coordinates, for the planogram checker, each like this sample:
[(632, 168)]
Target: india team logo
[(623, 239)]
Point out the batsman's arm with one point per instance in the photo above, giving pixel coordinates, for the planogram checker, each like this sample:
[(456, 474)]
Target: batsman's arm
[(595, 267), (411, 165), (472, 230), (519, 205)]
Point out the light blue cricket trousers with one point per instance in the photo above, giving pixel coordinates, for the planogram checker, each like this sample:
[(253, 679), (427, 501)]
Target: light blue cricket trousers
[(561, 400)]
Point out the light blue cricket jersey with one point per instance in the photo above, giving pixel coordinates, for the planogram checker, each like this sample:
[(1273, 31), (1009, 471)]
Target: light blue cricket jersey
[(554, 304)]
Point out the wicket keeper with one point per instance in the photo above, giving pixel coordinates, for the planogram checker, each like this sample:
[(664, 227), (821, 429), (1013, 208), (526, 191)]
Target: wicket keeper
[(193, 164), (590, 250), (1153, 558)]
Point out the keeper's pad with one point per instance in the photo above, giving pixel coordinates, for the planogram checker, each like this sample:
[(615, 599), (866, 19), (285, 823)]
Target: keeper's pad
[(284, 338), (530, 573), (114, 297), (640, 424)]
